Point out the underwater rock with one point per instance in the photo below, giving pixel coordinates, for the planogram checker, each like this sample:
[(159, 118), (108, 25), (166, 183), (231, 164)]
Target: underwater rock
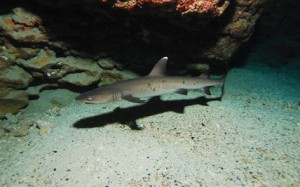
[(211, 30), (81, 79), (23, 26), (207, 8), (13, 81), (12, 53), (43, 58), (199, 7), (109, 64), (35, 90), (79, 71), (11, 101), (71, 70), (14, 77), (109, 77), (44, 127), (202, 7), (23, 129)]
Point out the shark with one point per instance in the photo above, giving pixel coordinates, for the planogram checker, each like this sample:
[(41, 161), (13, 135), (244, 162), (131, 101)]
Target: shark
[(156, 83)]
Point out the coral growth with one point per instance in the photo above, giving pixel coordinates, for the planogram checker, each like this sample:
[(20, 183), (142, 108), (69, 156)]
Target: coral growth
[(131, 4), (22, 26), (196, 7), (209, 7)]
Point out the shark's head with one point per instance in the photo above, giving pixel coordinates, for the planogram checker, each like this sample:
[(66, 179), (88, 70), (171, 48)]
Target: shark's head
[(98, 95)]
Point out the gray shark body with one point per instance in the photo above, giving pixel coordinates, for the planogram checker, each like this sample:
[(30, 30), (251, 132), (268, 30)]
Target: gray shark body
[(154, 84)]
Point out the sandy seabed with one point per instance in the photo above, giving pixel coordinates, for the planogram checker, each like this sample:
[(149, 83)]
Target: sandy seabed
[(250, 138)]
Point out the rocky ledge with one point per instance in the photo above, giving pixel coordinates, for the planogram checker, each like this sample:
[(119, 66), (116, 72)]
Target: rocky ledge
[(83, 43)]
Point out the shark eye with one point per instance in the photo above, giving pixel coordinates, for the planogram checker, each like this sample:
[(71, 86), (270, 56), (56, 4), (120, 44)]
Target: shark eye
[(89, 98)]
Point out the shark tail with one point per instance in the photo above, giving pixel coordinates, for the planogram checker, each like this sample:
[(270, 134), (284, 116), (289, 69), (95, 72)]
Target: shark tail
[(221, 83), (222, 86), (223, 79)]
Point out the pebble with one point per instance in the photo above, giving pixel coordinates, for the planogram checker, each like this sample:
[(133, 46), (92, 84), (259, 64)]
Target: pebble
[(2, 132), (23, 129), (44, 126)]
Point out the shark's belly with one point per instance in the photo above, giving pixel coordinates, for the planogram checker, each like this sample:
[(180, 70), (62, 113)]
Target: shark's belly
[(151, 93)]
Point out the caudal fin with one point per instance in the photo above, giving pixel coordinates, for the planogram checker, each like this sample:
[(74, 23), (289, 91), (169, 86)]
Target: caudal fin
[(206, 90)]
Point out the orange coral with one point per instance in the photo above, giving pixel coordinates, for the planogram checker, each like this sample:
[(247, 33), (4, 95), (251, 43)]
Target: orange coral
[(198, 7), (131, 4), (9, 22), (153, 2), (44, 60)]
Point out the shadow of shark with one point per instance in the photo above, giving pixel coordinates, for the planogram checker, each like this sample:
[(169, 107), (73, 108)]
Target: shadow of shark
[(128, 116)]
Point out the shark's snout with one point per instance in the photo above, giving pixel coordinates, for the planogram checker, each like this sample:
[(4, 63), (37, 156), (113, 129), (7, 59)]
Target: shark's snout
[(85, 98), (99, 95)]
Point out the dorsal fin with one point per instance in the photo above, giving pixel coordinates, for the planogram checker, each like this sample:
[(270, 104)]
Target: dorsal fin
[(204, 74), (159, 68)]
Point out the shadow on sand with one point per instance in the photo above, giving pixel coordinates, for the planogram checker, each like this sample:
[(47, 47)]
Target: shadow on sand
[(128, 116)]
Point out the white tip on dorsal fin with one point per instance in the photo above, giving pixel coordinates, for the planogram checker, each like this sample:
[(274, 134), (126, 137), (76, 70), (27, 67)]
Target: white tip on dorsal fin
[(159, 68)]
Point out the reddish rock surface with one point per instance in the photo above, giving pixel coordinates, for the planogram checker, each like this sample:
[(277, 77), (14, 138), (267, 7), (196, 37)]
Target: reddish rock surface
[(206, 30), (23, 26)]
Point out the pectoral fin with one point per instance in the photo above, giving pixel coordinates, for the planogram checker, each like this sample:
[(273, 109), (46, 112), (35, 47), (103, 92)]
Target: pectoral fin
[(132, 99)]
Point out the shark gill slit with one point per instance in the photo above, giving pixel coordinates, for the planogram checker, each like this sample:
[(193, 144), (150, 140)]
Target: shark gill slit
[(115, 96)]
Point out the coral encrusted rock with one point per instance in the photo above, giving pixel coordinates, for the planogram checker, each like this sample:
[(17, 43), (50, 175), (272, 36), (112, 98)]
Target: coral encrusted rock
[(13, 81), (22, 26), (131, 30)]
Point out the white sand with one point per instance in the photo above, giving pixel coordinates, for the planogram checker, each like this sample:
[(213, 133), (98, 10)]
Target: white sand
[(250, 138)]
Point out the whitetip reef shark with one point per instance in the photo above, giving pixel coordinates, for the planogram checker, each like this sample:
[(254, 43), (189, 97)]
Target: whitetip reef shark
[(155, 84)]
